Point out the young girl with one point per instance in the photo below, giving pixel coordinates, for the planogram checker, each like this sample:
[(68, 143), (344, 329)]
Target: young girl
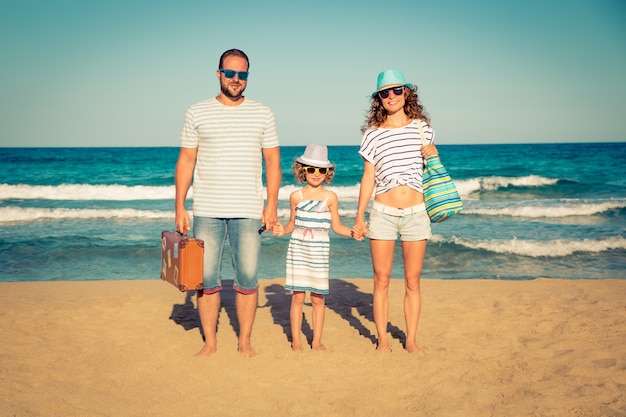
[(313, 211)]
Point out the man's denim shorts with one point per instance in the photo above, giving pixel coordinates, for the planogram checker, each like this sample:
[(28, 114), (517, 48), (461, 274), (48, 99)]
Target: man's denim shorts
[(245, 242)]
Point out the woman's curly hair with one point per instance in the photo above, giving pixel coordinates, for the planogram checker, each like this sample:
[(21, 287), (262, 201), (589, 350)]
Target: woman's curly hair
[(412, 108), (300, 176)]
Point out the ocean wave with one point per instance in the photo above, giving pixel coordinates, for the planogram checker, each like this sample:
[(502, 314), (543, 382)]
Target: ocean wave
[(474, 185), (115, 192), (549, 211), (18, 214), (118, 192), (83, 192), (536, 249)]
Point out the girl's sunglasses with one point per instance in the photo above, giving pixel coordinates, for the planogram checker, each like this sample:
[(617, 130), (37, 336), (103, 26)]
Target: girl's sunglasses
[(243, 75), (396, 90), (313, 170)]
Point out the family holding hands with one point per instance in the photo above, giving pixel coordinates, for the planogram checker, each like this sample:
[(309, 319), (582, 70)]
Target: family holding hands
[(224, 142)]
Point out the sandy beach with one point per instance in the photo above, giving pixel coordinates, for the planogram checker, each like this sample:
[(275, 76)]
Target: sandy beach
[(489, 348)]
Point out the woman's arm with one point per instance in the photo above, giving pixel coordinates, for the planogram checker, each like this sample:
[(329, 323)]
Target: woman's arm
[(429, 150), (365, 194)]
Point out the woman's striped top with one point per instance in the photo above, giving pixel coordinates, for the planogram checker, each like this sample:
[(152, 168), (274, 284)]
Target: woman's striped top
[(396, 154)]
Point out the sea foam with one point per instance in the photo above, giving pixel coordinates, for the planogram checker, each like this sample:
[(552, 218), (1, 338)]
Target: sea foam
[(547, 210), (535, 248)]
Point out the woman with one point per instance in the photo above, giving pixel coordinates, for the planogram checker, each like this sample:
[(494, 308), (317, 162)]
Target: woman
[(393, 157)]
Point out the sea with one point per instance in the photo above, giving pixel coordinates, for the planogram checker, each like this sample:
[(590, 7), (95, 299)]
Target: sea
[(530, 210)]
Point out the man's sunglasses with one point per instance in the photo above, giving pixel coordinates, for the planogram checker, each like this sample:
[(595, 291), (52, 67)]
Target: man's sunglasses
[(243, 75), (313, 170), (396, 90)]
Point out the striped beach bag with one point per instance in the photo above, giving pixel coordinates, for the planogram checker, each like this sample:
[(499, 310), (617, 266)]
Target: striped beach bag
[(440, 195)]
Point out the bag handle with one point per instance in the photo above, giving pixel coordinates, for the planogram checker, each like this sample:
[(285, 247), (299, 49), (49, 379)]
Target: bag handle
[(419, 126)]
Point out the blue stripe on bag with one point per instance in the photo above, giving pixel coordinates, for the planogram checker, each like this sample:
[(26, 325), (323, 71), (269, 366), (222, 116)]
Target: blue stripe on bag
[(440, 195)]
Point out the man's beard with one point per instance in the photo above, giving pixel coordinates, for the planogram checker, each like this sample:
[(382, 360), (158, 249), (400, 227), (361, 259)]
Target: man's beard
[(230, 95)]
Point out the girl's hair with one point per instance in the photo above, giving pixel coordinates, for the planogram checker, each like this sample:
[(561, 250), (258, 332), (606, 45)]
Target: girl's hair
[(412, 107), (300, 176)]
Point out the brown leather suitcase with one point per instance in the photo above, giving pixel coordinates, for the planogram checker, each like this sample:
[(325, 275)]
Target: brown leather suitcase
[(182, 260)]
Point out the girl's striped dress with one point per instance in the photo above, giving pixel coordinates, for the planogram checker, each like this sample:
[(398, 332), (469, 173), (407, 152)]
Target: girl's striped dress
[(309, 248)]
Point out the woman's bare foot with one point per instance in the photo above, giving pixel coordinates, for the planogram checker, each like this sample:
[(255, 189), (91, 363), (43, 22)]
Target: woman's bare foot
[(319, 347)]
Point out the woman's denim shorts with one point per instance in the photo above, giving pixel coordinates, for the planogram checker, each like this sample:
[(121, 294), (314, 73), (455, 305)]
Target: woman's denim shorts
[(386, 223)]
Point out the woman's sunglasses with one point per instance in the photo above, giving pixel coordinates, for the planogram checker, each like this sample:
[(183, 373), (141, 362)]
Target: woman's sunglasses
[(243, 75), (313, 170), (396, 90)]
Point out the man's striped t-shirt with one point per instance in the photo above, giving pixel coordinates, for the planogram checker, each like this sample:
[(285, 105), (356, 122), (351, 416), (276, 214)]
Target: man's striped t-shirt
[(228, 175)]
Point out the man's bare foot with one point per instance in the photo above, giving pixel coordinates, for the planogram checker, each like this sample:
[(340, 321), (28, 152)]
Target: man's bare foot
[(207, 351), (383, 348), (319, 347), (296, 348), (412, 347), (246, 350)]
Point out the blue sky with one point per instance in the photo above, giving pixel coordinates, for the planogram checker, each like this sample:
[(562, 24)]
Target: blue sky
[(122, 73)]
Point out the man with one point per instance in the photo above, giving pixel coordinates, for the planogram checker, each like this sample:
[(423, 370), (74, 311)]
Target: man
[(224, 142)]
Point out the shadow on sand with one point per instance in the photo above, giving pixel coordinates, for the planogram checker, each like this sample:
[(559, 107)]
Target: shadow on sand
[(186, 314), (345, 299)]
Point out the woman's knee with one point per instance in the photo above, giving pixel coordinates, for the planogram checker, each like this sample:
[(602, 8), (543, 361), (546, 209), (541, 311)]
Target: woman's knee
[(412, 284), (381, 281)]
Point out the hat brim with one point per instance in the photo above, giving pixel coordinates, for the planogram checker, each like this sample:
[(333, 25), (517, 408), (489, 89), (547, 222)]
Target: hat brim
[(409, 85), (314, 163)]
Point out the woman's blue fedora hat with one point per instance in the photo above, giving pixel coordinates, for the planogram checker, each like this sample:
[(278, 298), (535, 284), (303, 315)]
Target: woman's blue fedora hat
[(390, 78)]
